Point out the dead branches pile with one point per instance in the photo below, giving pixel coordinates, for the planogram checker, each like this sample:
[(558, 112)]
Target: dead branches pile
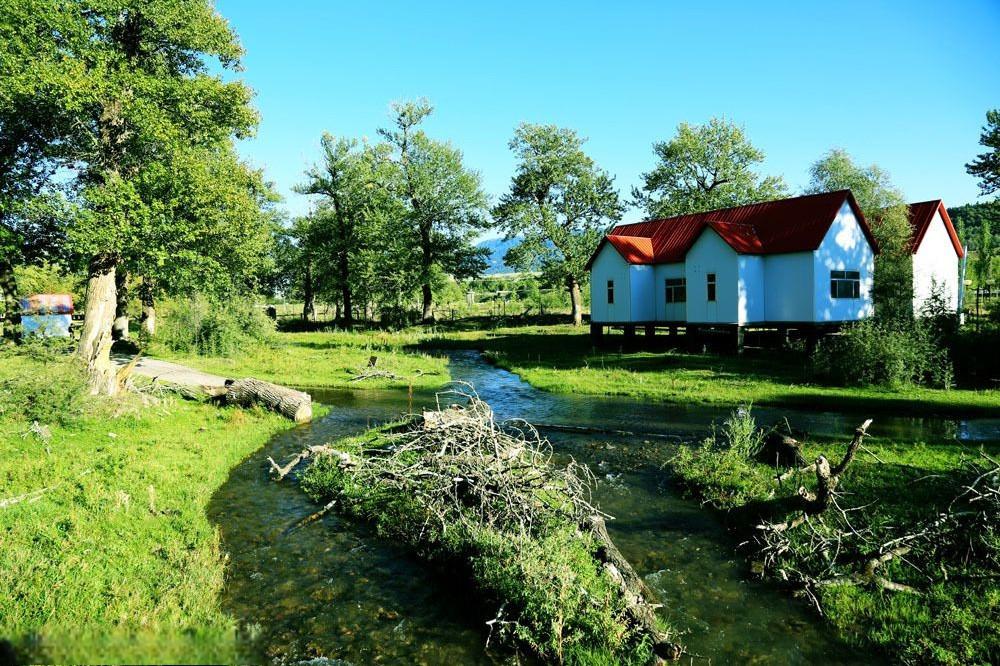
[(824, 542), (458, 485)]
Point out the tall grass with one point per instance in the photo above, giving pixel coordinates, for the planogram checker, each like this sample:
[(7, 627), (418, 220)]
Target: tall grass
[(207, 327)]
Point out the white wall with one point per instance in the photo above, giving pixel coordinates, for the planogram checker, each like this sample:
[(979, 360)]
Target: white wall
[(665, 311), (641, 290), (788, 293), (843, 248), (609, 265), (711, 254), (935, 261), (751, 289)]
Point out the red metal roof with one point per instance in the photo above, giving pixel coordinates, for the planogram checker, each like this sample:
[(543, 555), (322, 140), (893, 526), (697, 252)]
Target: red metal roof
[(921, 215), (772, 227), (635, 249)]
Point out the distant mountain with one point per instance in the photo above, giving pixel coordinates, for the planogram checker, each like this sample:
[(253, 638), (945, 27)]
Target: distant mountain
[(498, 248)]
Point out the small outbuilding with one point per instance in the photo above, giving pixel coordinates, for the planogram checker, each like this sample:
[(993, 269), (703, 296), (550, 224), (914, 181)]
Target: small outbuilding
[(800, 262), (937, 255)]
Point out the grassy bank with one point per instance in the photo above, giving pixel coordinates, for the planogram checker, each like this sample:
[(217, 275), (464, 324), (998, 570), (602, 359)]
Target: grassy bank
[(562, 359), (327, 360), (113, 558), (950, 608)]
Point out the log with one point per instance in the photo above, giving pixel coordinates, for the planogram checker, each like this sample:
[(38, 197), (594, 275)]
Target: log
[(296, 405), (635, 592)]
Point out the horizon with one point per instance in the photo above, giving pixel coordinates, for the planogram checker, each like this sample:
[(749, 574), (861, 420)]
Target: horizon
[(624, 79)]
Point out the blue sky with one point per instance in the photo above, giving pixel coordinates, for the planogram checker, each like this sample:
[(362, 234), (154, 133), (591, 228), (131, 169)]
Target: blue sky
[(903, 84)]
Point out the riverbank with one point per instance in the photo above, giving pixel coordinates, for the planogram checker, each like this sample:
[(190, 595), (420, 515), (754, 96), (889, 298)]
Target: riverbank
[(109, 556), (932, 599), (562, 359), (329, 360)]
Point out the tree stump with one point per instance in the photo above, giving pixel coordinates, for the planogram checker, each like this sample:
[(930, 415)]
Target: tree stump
[(296, 405)]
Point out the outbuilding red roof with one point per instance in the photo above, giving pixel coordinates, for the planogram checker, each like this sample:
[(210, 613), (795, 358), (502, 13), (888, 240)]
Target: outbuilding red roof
[(921, 215), (772, 227)]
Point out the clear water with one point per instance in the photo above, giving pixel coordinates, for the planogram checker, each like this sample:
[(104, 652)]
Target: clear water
[(333, 590)]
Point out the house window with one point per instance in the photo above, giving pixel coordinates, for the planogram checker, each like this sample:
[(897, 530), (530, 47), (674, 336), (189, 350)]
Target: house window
[(611, 292), (676, 289), (845, 284), (710, 282)]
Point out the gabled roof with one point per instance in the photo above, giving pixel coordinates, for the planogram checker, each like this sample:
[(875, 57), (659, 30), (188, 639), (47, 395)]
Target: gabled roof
[(921, 214), (772, 227)]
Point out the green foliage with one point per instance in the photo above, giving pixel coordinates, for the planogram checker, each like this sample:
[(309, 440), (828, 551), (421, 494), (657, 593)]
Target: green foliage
[(872, 353), (986, 166), (559, 204), (46, 278), (54, 396), (443, 205), (200, 325), (705, 167), (721, 470), (884, 207)]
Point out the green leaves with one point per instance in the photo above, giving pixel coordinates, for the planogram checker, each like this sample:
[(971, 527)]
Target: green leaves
[(986, 166), (705, 167), (560, 202)]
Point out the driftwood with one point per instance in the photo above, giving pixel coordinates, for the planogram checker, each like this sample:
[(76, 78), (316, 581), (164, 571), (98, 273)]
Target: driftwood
[(634, 590), (296, 405)]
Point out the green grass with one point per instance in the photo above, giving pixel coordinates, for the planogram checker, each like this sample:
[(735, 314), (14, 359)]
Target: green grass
[(562, 359), (328, 360), (117, 561), (899, 485)]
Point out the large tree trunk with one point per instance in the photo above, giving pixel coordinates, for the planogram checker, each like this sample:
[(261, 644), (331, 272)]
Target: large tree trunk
[(425, 264), (95, 339), (574, 296), (148, 302), (308, 297), (12, 306), (345, 285), (296, 405), (119, 330)]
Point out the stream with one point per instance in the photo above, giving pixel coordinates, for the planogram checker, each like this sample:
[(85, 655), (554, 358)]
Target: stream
[(334, 593)]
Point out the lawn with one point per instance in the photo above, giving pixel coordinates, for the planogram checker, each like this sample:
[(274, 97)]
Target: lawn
[(113, 559), (891, 489), (561, 358), (328, 360)]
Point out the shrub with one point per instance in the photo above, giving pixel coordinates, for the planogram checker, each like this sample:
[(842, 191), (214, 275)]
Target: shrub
[(721, 470), (198, 325), (875, 354), (57, 395)]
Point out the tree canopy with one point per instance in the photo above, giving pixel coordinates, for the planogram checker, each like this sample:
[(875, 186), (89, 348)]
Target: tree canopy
[(705, 167), (884, 207), (559, 205), (986, 166)]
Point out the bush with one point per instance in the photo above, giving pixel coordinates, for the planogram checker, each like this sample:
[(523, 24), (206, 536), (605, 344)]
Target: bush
[(874, 354), (722, 470), (56, 396), (198, 325)]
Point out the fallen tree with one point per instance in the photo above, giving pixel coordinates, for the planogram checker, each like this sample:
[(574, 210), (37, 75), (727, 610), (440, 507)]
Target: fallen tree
[(296, 405), (484, 498)]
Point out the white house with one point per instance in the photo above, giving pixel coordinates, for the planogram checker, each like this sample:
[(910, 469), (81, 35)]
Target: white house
[(937, 253), (805, 261)]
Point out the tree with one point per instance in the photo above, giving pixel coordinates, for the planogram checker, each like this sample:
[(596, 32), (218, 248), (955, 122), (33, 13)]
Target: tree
[(138, 91), (984, 254), (559, 204), (986, 166), (443, 202), (884, 207), (705, 167), (355, 183), (37, 84)]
